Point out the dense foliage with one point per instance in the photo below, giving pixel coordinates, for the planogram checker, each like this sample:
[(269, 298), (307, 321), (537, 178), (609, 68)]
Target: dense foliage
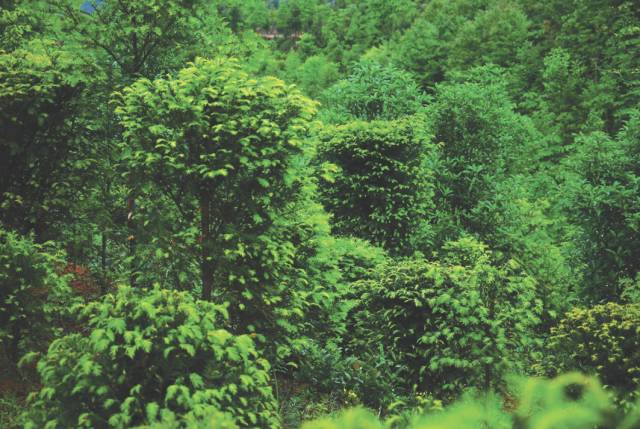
[(447, 325), (253, 213), (601, 340), (33, 294), (381, 188)]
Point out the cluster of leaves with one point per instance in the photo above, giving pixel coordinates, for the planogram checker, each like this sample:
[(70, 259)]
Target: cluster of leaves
[(149, 356)]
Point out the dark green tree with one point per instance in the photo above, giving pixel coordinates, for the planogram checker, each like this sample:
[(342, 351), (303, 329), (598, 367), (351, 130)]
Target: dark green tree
[(382, 189)]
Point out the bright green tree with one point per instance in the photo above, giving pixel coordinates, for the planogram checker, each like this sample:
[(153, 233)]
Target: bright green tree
[(222, 146)]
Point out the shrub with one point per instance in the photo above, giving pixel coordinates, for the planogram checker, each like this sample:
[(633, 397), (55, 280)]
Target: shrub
[(602, 340), (383, 187), (449, 324), (152, 356), (32, 293)]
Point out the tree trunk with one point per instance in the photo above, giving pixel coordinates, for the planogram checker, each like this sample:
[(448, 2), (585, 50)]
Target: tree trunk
[(206, 264), (103, 261), (131, 202)]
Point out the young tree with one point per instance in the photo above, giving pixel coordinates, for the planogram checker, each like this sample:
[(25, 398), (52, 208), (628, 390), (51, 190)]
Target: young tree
[(125, 40), (214, 135), (483, 141), (602, 196)]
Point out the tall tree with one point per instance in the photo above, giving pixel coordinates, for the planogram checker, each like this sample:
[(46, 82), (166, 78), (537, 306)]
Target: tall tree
[(215, 136)]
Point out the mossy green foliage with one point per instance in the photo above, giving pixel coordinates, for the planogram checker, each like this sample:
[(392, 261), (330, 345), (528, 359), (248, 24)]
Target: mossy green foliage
[(148, 356)]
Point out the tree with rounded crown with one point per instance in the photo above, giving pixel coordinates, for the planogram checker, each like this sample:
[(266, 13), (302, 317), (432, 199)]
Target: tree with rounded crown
[(222, 143)]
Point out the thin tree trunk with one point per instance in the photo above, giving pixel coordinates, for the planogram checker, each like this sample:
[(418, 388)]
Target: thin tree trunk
[(132, 236), (103, 261), (206, 264)]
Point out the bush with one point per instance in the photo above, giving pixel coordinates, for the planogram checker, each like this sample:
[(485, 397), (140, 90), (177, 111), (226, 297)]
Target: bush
[(152, 356), (450, 324), (32, 293), (602, 340)]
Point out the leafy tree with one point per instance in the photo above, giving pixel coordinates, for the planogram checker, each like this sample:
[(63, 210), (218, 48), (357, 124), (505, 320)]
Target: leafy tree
[(359, 25), (598, 35), (151, 356), (523, 220), (483, 141), (562, 96), (493, 36), (244, 15), (295, 16), (421, 51), (425, 48), (139, 37), (39, 89), (315, 75), (223, 147), (382, 188)]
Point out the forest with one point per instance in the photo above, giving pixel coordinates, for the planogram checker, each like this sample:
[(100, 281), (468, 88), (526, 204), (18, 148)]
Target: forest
[(320, 214)]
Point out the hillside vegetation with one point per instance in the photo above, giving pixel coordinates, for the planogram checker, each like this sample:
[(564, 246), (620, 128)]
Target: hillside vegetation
[(320, 214)]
